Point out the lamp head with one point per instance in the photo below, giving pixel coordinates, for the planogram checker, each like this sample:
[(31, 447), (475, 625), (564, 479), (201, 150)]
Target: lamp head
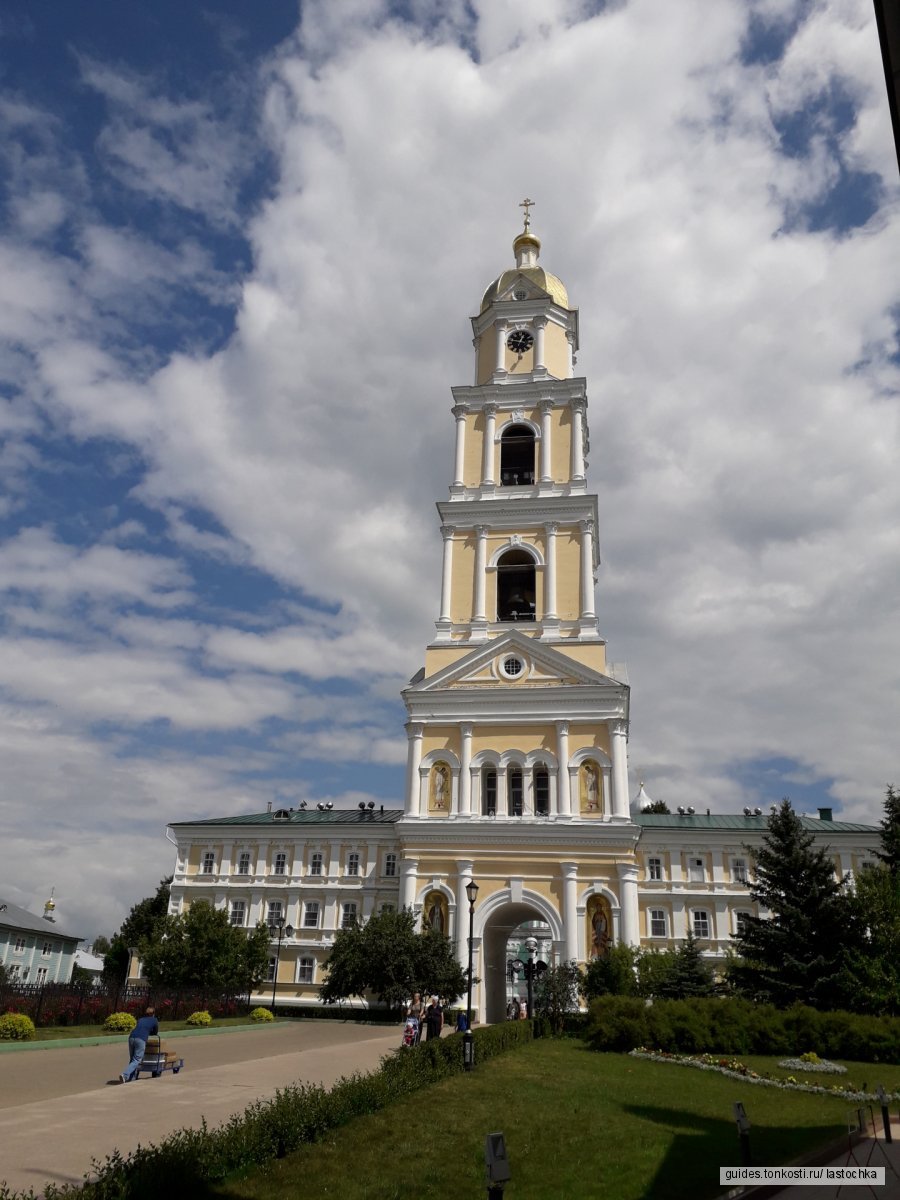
[(472, 891)]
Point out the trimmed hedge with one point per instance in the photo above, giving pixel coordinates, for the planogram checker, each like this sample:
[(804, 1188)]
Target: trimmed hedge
[(737, 1026), (199, 1020), (16, 1027), (119, 1022), (261, 1015), (182, 1164)]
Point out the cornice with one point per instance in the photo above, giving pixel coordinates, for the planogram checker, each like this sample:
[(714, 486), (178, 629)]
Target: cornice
[(519, 392), (501, 511)]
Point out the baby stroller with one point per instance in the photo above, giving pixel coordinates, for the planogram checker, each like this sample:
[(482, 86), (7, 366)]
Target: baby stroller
[(410, 1032)]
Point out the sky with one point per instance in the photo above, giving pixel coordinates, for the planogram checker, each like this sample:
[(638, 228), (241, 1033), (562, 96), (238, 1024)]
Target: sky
[(239, 249)]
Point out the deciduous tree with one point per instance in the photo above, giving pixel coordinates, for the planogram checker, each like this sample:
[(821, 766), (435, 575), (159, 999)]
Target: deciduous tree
[(201, 949)]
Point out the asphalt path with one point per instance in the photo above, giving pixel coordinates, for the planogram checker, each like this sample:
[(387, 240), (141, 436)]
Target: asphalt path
[(63, 1107)]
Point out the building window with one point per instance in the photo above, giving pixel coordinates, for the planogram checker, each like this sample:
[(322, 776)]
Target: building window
[(388, 908), (315, 864), (696, 871), (270, 970), (41, 974), (209, 863), (244, 863), (19, 947), (542, 791), (280, 867), (740, 924), (657, 922), (311, 915), (46, 949), (238, 912), (867, 865), (515, 586), (15, 970), (516, 456), (701, 923), (516, 790), (274, 914), (26, 971), (305, 969), (390, 864), (489, 792), (739, 870), (654, 868), (352, 864), (348, 917)]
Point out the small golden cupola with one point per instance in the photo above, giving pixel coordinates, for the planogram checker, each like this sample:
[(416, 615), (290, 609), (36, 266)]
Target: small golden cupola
[(525, 328)]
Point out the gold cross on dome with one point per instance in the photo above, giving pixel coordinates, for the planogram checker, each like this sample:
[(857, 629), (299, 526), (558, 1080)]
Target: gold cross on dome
[(526, 204)]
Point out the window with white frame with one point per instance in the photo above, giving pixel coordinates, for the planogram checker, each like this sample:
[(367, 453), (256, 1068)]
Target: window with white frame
[(388, 908), (274, 914), (701, 923), (390, 864), (305, 970), (280, 865), (316, 863), (238, 913), (654, 868), (46, 949), (26, 971), (41, 974), (740, 923), (348, 916), (311, 914), (739, 870), (696, 872), (208, 865), (270, 969), (19, 947), (657, 922), (15, 970), (352, 864), (243, 865)]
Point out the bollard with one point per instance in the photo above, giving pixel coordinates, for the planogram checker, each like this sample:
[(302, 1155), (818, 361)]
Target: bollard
[(496, 1165), (885, 1112), (743, 1127)]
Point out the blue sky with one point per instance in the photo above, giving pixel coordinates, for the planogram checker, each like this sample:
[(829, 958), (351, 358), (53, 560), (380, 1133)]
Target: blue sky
[(238, 254)]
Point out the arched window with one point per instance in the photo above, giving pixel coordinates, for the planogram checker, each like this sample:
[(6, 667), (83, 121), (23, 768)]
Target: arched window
[(516, 456), (516, 791), (489, 792), (541, 790), (515, 586)]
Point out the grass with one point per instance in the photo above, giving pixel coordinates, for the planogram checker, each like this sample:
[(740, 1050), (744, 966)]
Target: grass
[(54, 1033), (866, 1076), (577, 1124)]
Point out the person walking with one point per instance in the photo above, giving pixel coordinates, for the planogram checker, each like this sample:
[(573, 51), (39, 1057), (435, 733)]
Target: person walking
[(416, 1012), (434, 1019), (147, 1027)]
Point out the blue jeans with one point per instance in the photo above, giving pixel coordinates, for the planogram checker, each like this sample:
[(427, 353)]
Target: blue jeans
[(136, 1048)]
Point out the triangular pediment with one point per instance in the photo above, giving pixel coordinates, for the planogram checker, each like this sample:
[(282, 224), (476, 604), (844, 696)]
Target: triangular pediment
[(488, 666), (519, 283)]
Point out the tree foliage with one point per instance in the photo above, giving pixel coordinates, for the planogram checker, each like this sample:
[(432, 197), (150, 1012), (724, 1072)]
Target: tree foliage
[(142, 925), (202, 949), (870, 980), (657, 806), (386, 957), (612, 974), (890, 832), (795, 955), (688, 975), (556, 993)]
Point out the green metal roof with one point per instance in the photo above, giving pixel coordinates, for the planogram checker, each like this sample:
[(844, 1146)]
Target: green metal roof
[(305, 816), (738, 821)]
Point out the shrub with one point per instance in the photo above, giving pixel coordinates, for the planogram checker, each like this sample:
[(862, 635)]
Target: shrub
[(199, 1019), (262, 1015), (119, 1022), (16, 1027)]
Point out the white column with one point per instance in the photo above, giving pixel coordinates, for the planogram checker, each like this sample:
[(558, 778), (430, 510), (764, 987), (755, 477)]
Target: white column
[(679, 921), (570, 909), (487, 455), (424, 773), (465, 771), (480, 573), (464, 869), (628, 898), (446, 572), (562, 755), (546, 407), (414, 733), (570, 338), (502, 800), (550, 572), (539, 324), (259, 866), (587, 570), (459, 411), (408, 869), (618, 734), (578, 439), (500, 360), (227, 852)]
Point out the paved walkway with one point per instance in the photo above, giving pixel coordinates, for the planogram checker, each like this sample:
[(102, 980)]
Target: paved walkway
[(64, 1107), (872, 1152)]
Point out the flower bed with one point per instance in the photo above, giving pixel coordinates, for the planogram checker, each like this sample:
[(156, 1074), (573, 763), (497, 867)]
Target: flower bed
[(735, 1069), (812, 1062)]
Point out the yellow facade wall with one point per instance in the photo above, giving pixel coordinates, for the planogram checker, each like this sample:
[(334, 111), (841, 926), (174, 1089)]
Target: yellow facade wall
[(556, 351), (561, 450), (485, 356), (592, 655), (462, 593), (473, 449), (568, 574)]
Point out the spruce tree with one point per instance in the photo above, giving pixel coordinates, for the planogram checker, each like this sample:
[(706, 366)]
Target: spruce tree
[(690, 975), (890, 832), (795, 954)]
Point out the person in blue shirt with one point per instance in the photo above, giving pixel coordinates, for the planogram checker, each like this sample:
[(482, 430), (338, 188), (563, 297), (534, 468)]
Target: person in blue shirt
[(147, 1027)]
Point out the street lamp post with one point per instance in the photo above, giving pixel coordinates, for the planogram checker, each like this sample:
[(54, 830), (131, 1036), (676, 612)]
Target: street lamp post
[(468, 1041), (530, 969), (287, 931)]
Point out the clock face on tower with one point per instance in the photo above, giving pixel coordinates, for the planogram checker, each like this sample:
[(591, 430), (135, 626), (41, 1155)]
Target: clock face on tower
[(520, 341)]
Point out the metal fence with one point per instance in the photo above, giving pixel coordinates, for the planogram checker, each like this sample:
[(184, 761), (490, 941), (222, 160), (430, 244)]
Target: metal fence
[(91, 1003)]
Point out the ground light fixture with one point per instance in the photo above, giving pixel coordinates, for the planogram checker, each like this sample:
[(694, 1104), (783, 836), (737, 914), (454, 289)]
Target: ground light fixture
[(283, 931), (468, 1041)]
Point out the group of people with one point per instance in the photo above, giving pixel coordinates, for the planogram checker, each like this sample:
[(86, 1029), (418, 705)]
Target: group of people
[(429, 1018), (517, 1009)]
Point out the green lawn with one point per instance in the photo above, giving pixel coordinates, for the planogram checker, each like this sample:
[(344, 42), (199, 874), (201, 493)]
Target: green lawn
[(53, 1033), (577, 1124), (867, 1075)]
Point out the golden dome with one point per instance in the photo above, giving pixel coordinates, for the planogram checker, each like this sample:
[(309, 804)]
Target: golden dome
[(526, 248)]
